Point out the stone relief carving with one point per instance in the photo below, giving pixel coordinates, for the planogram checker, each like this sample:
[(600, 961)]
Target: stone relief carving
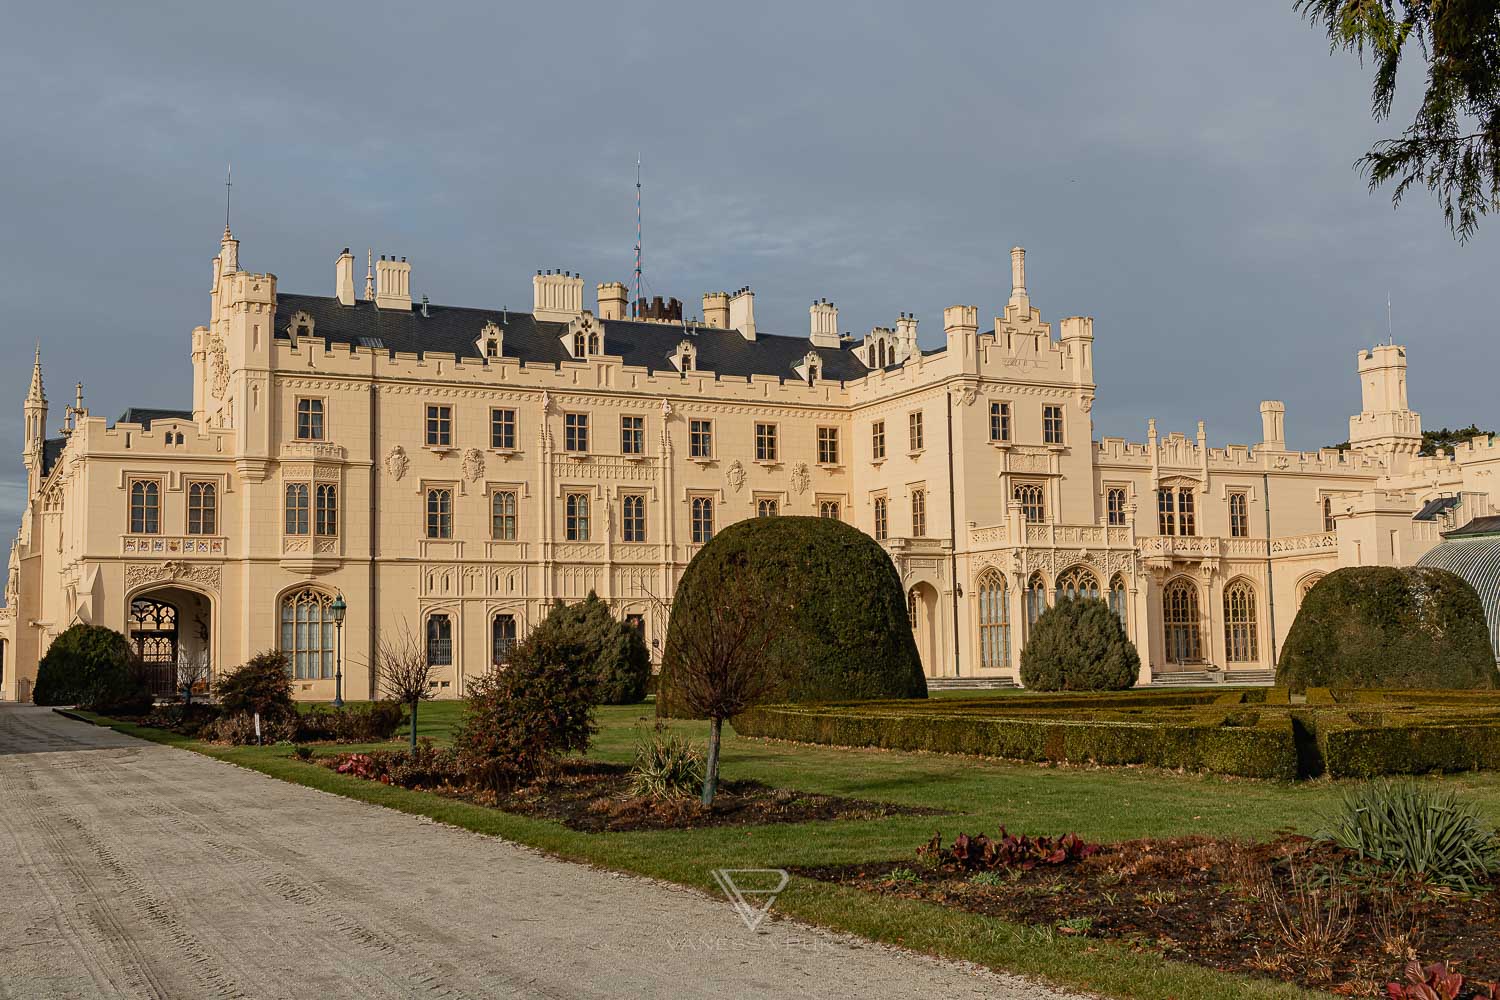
[(736, 475), (967, 394), (172, 571), (473, 465), (396, 462), (801, 478), (220, 354)]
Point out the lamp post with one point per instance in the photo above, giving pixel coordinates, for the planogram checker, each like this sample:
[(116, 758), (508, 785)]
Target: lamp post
[(337, 609)]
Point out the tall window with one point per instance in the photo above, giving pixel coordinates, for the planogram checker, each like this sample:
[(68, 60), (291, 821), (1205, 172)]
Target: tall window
[(1240, 639), (439, 426), (1180, 619), (703, 519), (1077, 582), (1239, 516), (632, 435), (999, 421), (297, 507), (1328, 522), (1036, 599), (203, 508), (994, 621), (1118, 598), (145, 507), (829, 508), (580, 345), (1114, 505), (882, 519), (576, 527), (502, 639), (309, 420), (307, 634), (633, 518), (765, 443), (1033, 502), (503, 429), (326, 509), (767, 507), (918, 513), (1175, 511), (914, 429), (576, 432), (1307, 584), (700, 439), (440, 513), (439, 641), (503, 515), (1052, 424), (877, 440), (828, 446)]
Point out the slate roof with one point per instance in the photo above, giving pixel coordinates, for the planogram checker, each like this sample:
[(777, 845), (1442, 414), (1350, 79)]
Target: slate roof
[(1432, 508), (143, 415), (52, 450), (1489, 524), (455, 330)]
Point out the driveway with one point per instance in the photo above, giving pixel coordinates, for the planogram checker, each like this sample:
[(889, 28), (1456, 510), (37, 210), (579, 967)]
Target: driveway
[(129, 869)]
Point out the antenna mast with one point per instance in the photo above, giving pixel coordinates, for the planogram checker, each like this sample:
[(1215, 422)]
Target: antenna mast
[(1390, 331), (635, 305), (228, 187)]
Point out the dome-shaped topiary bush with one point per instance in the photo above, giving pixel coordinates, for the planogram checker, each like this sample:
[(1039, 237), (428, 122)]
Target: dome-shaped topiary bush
[(1377, 626), (1079, 645), (85, 664), (843, 630)]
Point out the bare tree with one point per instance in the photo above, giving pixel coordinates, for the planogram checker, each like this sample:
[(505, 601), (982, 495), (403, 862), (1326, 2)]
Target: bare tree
[(719, 652), (404, 672), (193, 669)]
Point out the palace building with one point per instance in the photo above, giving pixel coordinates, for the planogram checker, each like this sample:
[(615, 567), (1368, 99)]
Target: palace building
[(453, 471)]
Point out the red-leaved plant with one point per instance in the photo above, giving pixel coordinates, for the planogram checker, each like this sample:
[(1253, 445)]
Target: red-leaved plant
[(1435, 982), (1007, 850)]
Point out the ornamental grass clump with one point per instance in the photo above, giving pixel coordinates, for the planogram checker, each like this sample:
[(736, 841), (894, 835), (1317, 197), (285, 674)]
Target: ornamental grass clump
[(1416, 833), (667, 766)]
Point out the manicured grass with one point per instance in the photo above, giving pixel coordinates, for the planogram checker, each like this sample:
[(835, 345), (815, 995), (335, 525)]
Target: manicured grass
[(974, 795)]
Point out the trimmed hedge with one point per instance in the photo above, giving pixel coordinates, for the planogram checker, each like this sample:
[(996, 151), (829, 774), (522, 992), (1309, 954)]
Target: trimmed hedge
[(847, 634), (1079, 645), (1255, 733), (1381, 627)]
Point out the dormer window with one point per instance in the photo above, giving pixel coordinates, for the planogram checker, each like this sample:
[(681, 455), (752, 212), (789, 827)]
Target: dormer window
[(491, 341), (301, 326), (585, 337), (811, 367), (685, 357)]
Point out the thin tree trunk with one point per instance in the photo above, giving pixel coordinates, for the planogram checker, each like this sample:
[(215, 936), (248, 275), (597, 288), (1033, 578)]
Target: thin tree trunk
[(414, 726), (711, 771)]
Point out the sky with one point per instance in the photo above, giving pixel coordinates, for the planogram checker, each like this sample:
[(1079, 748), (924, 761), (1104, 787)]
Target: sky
[(1182, 172)]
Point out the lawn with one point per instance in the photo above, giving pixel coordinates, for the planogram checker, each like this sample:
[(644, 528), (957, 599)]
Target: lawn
[(973, 794)]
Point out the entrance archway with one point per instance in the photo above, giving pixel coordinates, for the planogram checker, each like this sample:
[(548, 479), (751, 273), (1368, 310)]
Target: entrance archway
[(171, 630), (922, 605)]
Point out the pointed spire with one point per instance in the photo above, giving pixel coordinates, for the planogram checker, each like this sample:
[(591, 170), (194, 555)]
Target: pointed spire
[(37, 393), (370, 275)]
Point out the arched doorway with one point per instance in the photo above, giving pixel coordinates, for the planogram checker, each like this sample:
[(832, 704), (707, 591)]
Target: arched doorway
[(1181, 621), (922, 606), (171, 630)]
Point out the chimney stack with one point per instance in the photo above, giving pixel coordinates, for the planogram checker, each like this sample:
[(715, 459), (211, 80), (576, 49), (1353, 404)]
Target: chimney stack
[(716, 310), (1018, 296), (612, 299), (557, 297), (392, 283), (1273, 425), (825, 324), (742, 313), (343, 278)]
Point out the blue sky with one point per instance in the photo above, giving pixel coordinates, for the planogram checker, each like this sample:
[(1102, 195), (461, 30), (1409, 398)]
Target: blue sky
[(1181, 172)]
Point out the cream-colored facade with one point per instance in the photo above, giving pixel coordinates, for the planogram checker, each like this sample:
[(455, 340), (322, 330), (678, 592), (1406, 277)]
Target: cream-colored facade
[(456, 470)]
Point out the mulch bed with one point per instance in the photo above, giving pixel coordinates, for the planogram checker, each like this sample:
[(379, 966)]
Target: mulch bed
[(595, 797), (1214, 903)]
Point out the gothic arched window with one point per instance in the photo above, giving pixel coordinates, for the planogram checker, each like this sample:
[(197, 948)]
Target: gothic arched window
[(1240, 639), (1031, 497), (307, 633), (994, 621), (1077, 582), (1180, 620), (1118, 598), (1036, 598)]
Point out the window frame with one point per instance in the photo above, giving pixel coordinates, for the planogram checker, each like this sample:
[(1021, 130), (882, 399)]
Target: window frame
[(325, 510), (877, 441), (767, 506), (439, 520), (632, 434), (576, 432), (438, 425), (150, 506), (1054, 426), (1024, 492), (701, 519), (916, 433), (1114, 513), (831, 508), (316, 418), (443, 641), (576, 516), (701, 438), (504, 526), (502, 428), (919, 513), (767, 442), (1000, 423), (206, 513), (497, 659), (828, 445), (882, 507), (632, 524), (296, 509), (1239, 519)]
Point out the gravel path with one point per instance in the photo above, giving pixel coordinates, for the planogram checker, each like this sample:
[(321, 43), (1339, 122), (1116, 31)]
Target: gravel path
[(129, 869)]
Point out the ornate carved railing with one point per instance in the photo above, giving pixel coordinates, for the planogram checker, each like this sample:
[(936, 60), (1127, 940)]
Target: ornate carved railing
[(173, 546)]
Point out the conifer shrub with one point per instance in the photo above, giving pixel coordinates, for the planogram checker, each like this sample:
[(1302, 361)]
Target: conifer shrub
[(262, 684), (1079, 645), (1382, 627), (587, 636), (845, 632), (85, 665)]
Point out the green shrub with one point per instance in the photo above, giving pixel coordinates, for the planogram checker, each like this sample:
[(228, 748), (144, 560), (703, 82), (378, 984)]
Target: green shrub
[(586, 635), (262, 684), (1417, 832), (667, 766), (1079, 645), (83, 664), (847, 634), (1375, 626), (520, 717), (122, 692), (357, 722)]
